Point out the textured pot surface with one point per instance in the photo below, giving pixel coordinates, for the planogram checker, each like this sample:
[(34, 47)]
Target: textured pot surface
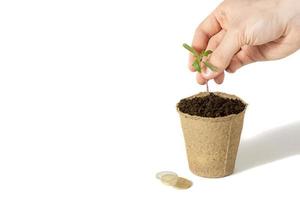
[(212, 143)]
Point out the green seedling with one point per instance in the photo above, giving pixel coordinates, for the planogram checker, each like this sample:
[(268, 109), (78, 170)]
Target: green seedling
[(198, 59)]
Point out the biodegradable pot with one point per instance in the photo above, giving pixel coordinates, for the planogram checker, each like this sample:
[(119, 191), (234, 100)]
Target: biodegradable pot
[(212, 143)]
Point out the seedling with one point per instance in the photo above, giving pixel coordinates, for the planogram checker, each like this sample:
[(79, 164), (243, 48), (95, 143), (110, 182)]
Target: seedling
[(198, 60)]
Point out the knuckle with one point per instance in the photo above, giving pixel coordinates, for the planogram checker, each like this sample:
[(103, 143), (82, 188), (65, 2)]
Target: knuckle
[(243, 57), (238, 35), (229, 70)]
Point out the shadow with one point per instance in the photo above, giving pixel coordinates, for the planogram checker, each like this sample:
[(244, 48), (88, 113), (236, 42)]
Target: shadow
[(269, 146)]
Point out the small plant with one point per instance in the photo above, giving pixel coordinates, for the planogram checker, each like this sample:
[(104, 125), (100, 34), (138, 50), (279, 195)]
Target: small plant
[(198, 59)]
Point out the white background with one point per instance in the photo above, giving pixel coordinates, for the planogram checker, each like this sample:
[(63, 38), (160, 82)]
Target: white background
[(87, 105)]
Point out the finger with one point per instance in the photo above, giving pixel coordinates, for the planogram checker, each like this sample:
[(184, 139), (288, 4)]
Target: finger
[(220, 78), (200, 79), (238, 61), (214, 41), (247, 55), (212, 45), (203, 33), (223, 54), (234, 65), (208, 28)]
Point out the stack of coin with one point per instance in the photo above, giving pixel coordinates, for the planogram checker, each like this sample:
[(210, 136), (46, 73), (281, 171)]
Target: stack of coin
[(172, 179)]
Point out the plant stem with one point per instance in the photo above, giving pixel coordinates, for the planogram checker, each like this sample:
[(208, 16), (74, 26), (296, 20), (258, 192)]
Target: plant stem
[(207, 89)]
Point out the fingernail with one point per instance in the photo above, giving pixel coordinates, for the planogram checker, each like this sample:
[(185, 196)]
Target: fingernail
[(208, 73)]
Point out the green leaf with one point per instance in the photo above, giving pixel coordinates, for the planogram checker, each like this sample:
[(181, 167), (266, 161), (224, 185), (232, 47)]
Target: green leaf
[(206, 53), (210, 66), (191, 49), (196, 66)]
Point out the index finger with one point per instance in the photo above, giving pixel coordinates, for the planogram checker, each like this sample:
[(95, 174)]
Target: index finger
[(208, 28)]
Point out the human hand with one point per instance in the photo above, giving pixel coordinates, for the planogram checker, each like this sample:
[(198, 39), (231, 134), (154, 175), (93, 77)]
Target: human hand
[(240, 32)]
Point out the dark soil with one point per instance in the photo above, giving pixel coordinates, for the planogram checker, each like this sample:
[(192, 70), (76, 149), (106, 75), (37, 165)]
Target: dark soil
[(211, 106)]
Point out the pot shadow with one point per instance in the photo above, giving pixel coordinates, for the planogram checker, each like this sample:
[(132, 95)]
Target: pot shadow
[(269, 146)]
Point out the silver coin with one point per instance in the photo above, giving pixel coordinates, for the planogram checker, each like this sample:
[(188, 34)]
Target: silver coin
[(162, 173)]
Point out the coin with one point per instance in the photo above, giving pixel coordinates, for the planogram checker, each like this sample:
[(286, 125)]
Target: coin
[(160, 174), (169, 179), (182, 183)]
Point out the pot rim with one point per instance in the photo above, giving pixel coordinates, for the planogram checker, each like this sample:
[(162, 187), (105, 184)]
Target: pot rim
[(224, 118)]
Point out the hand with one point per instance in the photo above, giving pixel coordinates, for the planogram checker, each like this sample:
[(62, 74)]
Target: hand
[(240, 32)]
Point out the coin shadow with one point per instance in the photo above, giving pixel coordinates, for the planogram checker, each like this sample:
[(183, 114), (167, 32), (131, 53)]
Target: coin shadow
[(269, 146)]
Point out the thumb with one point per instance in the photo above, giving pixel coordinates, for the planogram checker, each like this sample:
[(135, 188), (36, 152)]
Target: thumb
[(222, 55)]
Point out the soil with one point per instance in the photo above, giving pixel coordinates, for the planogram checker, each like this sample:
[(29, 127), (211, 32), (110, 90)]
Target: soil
[(211, 106)]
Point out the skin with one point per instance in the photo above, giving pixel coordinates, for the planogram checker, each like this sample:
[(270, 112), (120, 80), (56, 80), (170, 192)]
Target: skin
[(241, 32)]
